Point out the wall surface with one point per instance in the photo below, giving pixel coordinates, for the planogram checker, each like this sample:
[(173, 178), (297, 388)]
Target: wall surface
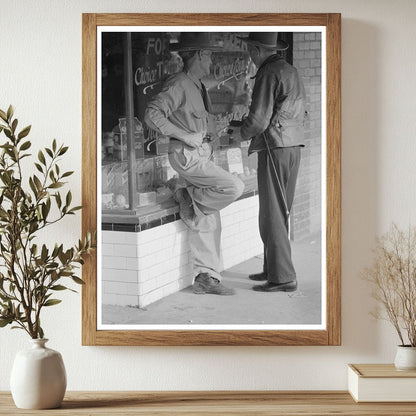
[(40, 73)]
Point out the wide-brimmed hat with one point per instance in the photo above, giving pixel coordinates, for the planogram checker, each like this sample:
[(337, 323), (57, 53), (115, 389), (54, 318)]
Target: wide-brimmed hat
[(193, 41), (267, 40)]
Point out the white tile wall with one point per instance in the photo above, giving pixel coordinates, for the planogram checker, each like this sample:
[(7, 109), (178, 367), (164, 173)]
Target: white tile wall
[(119, 275), (122, 300), (125, 250), (140, 268)]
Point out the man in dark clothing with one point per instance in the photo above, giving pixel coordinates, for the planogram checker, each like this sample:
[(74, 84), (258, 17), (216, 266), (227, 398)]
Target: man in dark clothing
[(275, 125)]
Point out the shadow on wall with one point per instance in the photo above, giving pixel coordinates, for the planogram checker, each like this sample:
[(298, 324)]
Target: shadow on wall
[(361, 51)]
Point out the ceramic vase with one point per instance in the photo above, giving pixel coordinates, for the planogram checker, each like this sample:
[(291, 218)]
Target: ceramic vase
[(405, 358), (38, 377)]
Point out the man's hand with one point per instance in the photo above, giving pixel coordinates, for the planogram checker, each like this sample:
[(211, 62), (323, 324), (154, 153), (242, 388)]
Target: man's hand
[(235, 133), (193, 139)]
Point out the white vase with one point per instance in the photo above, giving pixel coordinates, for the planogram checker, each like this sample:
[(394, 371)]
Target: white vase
[(38, 377), (405, 358)]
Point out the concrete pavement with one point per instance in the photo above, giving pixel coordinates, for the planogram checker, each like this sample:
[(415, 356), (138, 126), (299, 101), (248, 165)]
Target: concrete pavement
[(246, 306)]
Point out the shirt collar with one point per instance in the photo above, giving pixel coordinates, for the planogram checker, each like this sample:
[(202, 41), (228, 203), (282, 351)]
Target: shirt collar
[(195, 80), (271, 58)]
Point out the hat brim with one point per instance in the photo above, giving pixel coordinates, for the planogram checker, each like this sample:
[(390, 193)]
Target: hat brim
[(281, 45)]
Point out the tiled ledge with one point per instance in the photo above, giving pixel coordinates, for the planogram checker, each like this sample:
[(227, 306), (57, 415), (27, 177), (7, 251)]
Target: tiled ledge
[(161, 214)]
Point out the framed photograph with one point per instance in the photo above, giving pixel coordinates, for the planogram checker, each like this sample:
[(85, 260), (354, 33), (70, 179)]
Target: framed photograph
[(211, 172)]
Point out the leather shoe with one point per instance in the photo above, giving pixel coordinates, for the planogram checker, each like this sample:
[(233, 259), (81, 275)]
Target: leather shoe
[(277, 287), (258, 277), (204, 283)]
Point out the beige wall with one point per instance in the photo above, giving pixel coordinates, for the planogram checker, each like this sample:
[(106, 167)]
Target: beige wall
[(40, 73)]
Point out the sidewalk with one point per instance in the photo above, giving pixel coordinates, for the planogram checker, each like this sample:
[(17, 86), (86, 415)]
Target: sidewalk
[(246, 306)]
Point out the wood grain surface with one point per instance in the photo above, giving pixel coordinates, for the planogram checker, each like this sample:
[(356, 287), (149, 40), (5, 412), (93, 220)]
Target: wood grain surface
[(318, 403), (380, 371), (89, 172), (332, 334)]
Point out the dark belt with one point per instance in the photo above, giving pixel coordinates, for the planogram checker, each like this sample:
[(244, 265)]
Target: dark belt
[(206, 139)]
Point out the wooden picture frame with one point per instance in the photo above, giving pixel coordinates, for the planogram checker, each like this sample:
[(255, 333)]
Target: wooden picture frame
[(331, 334)]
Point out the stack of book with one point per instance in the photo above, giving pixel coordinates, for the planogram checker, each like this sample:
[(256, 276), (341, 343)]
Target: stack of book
[(381, 383)]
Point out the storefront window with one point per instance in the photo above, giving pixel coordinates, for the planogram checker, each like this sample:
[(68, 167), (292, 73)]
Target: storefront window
[(229, 87)]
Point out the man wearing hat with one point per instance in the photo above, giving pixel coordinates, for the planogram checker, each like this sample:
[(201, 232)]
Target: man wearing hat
[(275, 125), (181, 111)]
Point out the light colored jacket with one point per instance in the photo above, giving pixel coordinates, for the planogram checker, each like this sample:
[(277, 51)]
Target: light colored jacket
[(179, 107)]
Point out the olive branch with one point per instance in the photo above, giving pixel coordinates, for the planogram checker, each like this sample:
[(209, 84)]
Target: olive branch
[(31, 273)]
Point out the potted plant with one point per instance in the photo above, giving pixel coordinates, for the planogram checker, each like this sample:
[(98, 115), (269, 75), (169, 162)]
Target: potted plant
[(393, 277), (31, 273)]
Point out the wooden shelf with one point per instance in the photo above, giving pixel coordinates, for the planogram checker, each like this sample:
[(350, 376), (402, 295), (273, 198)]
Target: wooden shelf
[(317, 403)]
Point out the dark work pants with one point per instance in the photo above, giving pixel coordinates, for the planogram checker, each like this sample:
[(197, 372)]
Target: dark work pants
[(273, 222)]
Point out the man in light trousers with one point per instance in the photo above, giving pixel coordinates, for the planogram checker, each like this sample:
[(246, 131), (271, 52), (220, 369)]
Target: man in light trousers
[(181, 111)]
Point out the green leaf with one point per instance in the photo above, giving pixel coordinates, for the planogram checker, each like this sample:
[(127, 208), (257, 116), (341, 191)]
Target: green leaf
[(14, 125), (25, 145), (66, 274), (68, 199), (10, 112), (41, 157), (25, 155), (5, 321), (33, 187), (63, 151), (5, 298), (39, 167), (67, 174), (44, 253), (8, 133), (58, 199), (51, 302), (40, 331), (3, 115), (24, 132), (49, 152), (55, 251), (76, 279), (62, 257), (77, 208), (37, 182), (45, 211), (54, 145), (34, 249), (56, 185), (59, 287)]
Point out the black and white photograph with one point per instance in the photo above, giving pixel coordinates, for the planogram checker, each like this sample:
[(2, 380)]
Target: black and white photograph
[(211, 178)]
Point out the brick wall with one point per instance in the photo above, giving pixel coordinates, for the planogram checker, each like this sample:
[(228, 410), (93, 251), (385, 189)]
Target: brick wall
[(139, 268), (306, 211)]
